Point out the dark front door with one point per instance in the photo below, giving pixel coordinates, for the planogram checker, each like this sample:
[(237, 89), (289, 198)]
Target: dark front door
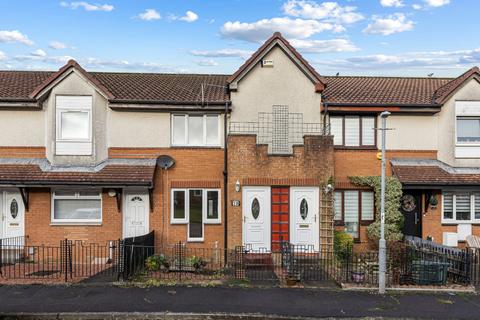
[(411, 207)]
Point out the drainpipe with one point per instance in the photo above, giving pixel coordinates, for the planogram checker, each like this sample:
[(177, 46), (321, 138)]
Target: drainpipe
[(325, 113), (225, 183)]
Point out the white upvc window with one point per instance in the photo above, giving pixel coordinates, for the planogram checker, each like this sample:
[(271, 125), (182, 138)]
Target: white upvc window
[(73, 132), (76, 206), (460, 207), (196, 130), (195, 207), (353, 131)]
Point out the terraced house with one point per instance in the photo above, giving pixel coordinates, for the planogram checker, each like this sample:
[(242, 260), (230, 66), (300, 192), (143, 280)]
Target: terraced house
[(224, 160)]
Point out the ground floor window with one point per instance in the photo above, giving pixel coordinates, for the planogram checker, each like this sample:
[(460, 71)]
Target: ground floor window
[(76, 206), (353, 207), (195, 207), (461, 207)]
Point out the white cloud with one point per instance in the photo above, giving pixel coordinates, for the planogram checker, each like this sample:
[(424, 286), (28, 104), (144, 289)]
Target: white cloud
[(222, 53), (416, 6), (14, 36), (328, 11), (57, 45), (207, 63), (87, 6), (94, 63), (189, 16), (149, 15), (391, 3), (39, 53), (392, 24), (438, 60), (262, 29), (322, 46), (436, 3), (3, 56)]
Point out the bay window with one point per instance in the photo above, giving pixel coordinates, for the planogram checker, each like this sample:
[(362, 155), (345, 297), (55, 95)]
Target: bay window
[(460, 207), (353, 207), (353, 131), (195, 207), (196, 130), (73, 125), (76, 206)]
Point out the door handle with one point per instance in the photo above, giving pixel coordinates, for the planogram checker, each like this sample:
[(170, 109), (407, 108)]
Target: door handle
[(315, 218), (244, 219)]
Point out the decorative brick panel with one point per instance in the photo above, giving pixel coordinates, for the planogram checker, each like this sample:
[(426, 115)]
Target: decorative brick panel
[(310, 164), (195, 184)]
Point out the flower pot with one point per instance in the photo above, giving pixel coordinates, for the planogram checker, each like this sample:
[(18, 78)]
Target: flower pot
[(358, 277)]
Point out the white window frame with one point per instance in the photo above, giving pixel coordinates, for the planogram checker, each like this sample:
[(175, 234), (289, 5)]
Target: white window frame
[(66, 109), (204, 143), (205, 219), (78, 146), (174, 220), (361, 130), (79, 197), (454, 208)]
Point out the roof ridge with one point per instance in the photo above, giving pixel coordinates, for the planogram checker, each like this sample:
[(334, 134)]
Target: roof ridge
[(162, 73), (390, 77)]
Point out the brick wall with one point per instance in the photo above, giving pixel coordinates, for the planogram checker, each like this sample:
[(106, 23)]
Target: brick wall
[(310, 164), (194, 168), (349, 162)]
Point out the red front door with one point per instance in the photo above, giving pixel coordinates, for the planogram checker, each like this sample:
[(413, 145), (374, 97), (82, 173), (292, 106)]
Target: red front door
[(280, 216)]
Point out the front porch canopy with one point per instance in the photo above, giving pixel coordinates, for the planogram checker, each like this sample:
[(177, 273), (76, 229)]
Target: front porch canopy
[(113, 173), (430, 173)]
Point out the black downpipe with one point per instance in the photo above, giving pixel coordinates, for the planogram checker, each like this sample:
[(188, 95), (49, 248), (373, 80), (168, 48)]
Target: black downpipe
[(225, 184)]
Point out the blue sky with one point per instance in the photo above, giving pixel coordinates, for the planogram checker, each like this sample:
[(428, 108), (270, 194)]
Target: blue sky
[(353, 37)]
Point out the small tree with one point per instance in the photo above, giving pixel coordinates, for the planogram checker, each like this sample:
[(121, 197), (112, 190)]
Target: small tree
[(393, 216)]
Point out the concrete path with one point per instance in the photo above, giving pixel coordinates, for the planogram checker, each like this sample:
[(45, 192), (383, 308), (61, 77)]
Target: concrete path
[(218, 300)]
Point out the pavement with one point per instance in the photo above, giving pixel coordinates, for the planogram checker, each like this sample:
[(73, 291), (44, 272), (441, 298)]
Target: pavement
[(101, 302)]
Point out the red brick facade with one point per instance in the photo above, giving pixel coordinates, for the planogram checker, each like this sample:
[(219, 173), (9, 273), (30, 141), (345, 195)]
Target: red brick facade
[(249, 163), (354, 162)]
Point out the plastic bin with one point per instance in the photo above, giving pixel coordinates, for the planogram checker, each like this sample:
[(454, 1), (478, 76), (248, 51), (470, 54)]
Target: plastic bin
[(429, 272)]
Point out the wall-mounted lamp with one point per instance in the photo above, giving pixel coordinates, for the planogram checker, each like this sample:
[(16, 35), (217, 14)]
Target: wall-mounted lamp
[(112, 193), (237, 186), (328, 188)]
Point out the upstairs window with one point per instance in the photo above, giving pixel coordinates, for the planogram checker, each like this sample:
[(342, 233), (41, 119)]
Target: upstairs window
[(468, 130), (195, 130), (353, 131), (73, 125)]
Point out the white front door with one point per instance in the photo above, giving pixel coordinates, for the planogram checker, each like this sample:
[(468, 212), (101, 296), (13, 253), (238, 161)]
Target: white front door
[(256, 210), (304, 216), (136, 215), (13, 214)]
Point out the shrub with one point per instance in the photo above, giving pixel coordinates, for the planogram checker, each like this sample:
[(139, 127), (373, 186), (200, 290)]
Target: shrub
[(343, 243), (393, 216), (198, 262), (156, 262)]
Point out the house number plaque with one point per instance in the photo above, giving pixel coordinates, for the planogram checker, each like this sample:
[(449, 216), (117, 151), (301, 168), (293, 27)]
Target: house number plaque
[(235, 203)]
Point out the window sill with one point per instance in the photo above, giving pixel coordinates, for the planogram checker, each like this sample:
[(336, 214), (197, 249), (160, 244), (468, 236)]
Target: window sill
[(195, 240), (178, 222), (66, 223), (364, 148), (196, 147)]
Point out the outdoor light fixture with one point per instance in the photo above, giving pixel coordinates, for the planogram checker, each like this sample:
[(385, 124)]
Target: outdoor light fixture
[(237, 186), (112, 193), (328, 188)]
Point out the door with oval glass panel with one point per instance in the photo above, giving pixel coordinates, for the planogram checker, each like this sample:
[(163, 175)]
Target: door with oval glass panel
[(304, 216), (13, 214), (256, 211), (136, 215)]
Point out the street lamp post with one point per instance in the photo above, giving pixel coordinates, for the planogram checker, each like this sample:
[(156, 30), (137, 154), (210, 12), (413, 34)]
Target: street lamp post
[(382, 253)]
